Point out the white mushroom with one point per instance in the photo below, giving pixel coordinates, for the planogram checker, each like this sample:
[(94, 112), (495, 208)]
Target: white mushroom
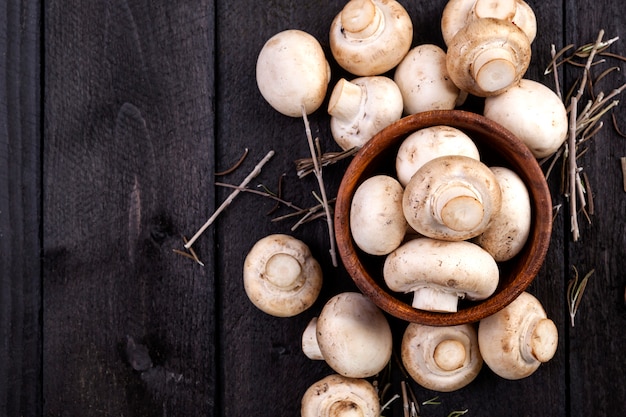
[(361, 108), (439, 272), (377, 221), (487, 56), (458, 13), (292, 71), (508, 231), (429, 143), (441, 358), (423, 79), (532, 112), (515, 341), (352, 334), (370, 37), (451, 197), (339, 396), (280, 276)]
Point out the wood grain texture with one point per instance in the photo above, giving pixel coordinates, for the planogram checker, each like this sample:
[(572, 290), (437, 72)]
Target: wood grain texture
[(106, 167), (128, 324), (20, 214)]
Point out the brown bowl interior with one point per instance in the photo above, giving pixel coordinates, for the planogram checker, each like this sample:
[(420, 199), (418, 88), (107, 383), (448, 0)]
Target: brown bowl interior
[(498, 147)]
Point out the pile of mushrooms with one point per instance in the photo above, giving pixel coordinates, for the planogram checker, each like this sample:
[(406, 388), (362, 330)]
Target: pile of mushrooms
[(443, 223)]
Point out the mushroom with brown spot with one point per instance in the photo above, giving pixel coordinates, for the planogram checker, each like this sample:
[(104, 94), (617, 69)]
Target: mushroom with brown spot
[(458, 13), (441, 358), (440, 272), (352, 336), (361, 108), (487, 56), (340, 396), (451, 198), (370, 37), (423, 79), (516, 340), (280, 275)]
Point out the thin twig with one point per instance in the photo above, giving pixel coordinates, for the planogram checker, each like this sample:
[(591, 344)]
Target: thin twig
[(235, 166), (623, 162), (256, 171), (322, 187), (571, 158), (575, 292), (306, 166)]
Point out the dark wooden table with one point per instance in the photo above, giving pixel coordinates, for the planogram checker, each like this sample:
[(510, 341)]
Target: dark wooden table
[(115, 117)]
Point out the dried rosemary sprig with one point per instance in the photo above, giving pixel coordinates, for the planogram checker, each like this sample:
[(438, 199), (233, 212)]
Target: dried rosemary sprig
[(575, 290), (585, 122), (305, 166)]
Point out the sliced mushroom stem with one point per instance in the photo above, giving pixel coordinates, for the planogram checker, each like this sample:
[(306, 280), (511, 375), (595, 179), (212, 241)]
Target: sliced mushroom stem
[(458, 206), (310, 347), (361, 19), (450, 355), (539, 341), (435, 299), (346, 100), (494, 69), (284, 271)]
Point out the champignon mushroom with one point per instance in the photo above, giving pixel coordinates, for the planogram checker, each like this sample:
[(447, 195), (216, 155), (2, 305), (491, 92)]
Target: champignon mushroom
[(458, 13), (508, 231), (429, 143), (280, 275), (361, 108), (439, 272), (377, 221), (532, 112), (339, 396), (370, 37), (516, 340), (423, 79), (443, 358), (292, 71), (451, 197), (353, 336), (487, 56)]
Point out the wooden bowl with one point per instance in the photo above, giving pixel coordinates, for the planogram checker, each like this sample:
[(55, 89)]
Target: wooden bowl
[(497, 146)]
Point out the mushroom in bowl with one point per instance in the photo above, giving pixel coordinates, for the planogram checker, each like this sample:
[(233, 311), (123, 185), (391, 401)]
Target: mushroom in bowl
[(498, 146)]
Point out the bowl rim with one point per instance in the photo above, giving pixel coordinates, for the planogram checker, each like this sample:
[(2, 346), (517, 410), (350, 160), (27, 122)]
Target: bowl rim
[(515, 152)]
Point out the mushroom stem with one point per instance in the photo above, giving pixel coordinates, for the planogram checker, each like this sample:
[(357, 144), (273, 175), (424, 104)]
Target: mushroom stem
[(361, 19), (450, 355), (458, 206), (346, 101), (283, 270), (310, 347), (494, 69), (540, 341), (501, 9), (435, 299)]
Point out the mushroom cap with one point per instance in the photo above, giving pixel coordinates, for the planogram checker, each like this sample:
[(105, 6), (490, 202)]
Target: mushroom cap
[(487, 56), (361, 108), (532, 112), (458, 13), (460, 268), (429, 143), (354, 335), (423, 79), (370, 37), (292, 71), (280, 275), (509, 229), (451, 197), (516, 340), (443, 358), (340, 396), (377, 221)]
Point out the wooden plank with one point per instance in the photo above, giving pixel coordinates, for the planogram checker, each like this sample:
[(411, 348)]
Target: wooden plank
[(128, 324), (263, 371), (20, 214), (596, 361)]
